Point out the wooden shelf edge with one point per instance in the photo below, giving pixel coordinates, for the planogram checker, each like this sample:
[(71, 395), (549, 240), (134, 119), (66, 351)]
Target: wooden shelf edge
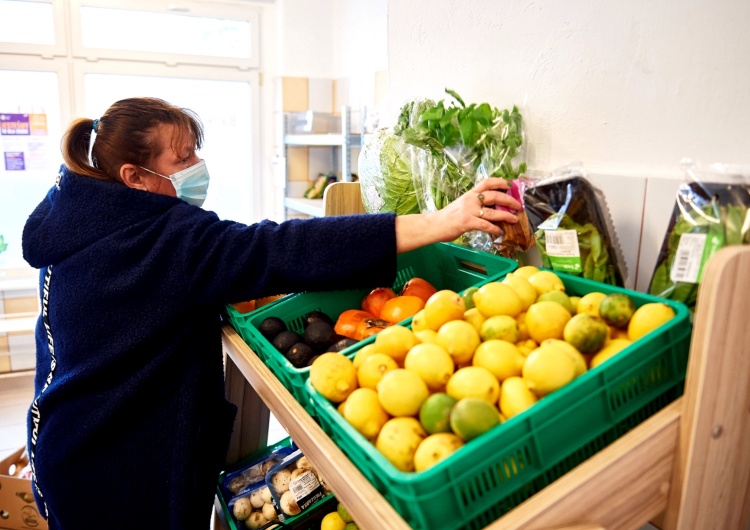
[(365, 503), (621, 487)]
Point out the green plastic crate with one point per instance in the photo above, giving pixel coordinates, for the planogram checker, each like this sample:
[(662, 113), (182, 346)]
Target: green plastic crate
[(444, 265), (495, 472), (307, 520)]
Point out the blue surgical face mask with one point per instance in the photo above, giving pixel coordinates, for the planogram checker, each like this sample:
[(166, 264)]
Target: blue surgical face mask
[(191, 184)]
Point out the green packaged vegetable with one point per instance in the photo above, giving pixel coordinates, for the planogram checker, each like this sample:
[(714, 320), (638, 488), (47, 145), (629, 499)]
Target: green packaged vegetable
[(711, 211), (573, 228)]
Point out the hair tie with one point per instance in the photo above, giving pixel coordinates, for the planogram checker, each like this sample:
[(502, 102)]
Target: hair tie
[(95, 125)]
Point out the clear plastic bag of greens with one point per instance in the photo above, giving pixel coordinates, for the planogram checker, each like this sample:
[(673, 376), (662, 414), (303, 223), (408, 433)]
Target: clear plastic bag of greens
[(573, 227), (454, 146), (385, 174), (710, 212)]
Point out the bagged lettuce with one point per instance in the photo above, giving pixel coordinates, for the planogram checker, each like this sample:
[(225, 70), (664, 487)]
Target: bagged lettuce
[(711, 211), (385, 174), (573, 228)]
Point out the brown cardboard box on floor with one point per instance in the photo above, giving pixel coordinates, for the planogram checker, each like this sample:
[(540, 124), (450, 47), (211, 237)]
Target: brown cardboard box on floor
[(18, 510)]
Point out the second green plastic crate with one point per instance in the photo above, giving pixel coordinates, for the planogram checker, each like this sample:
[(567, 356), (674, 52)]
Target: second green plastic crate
[(495, 472)]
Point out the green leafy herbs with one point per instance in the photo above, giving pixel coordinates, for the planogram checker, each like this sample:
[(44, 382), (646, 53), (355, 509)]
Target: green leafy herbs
[(3, 244), (462, 144)]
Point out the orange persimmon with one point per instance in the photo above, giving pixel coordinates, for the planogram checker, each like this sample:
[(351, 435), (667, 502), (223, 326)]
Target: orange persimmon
[(418, 287), (349, 320), (245, 307), (400, 308), (373, 302)]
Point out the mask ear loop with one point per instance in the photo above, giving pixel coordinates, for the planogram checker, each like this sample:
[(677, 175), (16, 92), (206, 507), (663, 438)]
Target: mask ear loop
[(92, 139)]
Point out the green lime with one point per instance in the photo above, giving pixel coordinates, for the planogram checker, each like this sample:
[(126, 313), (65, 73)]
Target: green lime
[(559, 297), (616, 309), (435, 412), (586, 332), (344, 513), (351, 526), (467, 296), (471, 417)]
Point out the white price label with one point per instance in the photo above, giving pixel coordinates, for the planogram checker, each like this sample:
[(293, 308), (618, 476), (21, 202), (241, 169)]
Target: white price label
[(687, 259), (562, 243)]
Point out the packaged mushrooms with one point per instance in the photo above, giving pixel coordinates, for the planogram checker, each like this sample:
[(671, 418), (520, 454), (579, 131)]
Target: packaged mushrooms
[(254, 508), (295, 485), (241, 481)]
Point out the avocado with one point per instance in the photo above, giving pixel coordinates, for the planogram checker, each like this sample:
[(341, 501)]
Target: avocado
[(271, 326), (299, 355), (312, 316), (285, 340), (312, 360), (319, 335), (340, 344)]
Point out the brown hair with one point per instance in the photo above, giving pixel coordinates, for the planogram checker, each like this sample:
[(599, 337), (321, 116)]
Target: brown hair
[(126, 134)]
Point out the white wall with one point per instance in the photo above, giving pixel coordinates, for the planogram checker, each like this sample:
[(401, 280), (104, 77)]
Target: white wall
[(627, 88), (632, 85)]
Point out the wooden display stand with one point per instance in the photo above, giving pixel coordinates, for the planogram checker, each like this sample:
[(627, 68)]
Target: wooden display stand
[(688, 465)]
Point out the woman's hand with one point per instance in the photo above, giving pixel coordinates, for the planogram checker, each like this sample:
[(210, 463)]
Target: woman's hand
[(474, 210)]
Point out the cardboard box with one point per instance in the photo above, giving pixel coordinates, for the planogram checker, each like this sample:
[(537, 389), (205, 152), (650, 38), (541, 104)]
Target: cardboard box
[(18, 511)]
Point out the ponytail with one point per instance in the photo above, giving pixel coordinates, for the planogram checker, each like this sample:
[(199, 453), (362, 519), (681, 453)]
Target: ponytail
[(75, 149)]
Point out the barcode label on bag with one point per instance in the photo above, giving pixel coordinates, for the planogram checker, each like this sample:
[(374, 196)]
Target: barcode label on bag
[(562, 250), (688, 258)]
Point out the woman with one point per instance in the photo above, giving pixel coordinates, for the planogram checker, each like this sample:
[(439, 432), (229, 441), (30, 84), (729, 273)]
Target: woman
[(129, 426)]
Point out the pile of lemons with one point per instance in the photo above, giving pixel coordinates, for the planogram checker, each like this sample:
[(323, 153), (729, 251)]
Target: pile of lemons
[(474, 359)]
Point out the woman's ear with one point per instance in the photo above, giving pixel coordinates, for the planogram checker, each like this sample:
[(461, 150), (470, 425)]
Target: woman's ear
[(131, 177)]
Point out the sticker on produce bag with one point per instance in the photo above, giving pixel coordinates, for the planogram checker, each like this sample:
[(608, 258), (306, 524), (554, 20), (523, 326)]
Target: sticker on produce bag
[(692, 254), (562, 250), (306, 489)]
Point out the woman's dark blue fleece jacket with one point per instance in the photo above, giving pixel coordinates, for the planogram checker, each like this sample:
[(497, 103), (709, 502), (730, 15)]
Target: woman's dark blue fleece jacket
[(129, 426)]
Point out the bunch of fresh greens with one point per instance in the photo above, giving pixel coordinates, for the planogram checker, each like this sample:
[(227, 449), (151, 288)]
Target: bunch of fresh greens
[(461, 144), (3, 244)]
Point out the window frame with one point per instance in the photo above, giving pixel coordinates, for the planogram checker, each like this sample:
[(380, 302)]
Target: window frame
[(226, 10), (59, 49)]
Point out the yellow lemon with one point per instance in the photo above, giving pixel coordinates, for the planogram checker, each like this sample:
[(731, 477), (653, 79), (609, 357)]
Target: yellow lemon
[(364, 411), (473, 381), (526, 346), (442, 307), (589, 303), (500, 327), (523, 331), (614, 346), (574, 302), (332, 521), (545, 281), (418, 322), (334, 376), (496, 298), (395, 341), (501, 358), (459, 339), (546, 320), (515, 397), (647, 318), (474, 317), (398, 440), (577, 356), (372, 369), (526, 272), (523, 289), (401, 392), (435, 448), (616, 309), (547, 369), (557, 296), (432, 363), (426, 336), (363, 353)]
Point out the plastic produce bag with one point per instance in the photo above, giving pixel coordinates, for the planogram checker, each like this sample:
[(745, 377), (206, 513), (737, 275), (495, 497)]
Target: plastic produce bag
[(710, 212), (385, 174), (454, 146), (573, 227)]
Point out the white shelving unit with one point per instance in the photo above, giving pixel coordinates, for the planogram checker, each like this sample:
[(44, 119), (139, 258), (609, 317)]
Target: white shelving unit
[(341, 159)]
